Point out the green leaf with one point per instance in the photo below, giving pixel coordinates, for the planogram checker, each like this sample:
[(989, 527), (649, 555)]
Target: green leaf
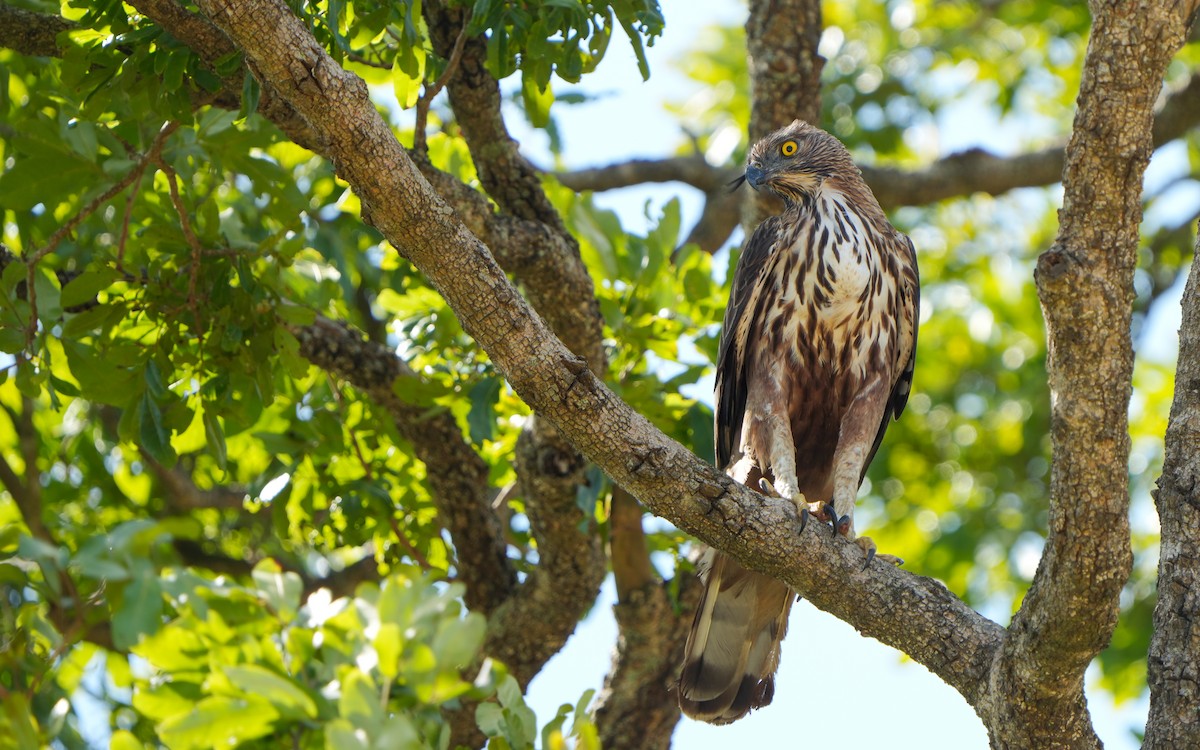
[(214, 435), (219, 721), (342, 735), (408, 73), (251, 91), (481, 418), (153, 434), (51, 559), (281, 590), (537, 98), (124, 740), (175, 68), (359, 703), (19, 723), (282, 692), (490, 719), (101, 379), (417, 390), (49, 296), (457, 641), (389, 644), (59, 175), (154, 381), (138, 609)]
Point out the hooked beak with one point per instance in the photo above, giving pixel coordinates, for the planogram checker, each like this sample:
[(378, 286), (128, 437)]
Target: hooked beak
[(755, 176)]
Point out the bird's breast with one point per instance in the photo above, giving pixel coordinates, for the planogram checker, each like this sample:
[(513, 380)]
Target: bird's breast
[(831, 292)]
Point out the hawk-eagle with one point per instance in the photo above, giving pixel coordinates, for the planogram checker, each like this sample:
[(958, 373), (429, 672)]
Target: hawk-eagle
[(816, 357)]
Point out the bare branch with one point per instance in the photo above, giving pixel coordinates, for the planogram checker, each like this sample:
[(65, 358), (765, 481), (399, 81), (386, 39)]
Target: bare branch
[(431, 91), (692, 170), (31, 33), (26, 491), (182, 494), (914, 614), (955, 175), (1174, 663), (1085, 283)]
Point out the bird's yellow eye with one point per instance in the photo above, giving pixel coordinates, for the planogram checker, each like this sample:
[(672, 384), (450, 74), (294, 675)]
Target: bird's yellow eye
[(788, 148)]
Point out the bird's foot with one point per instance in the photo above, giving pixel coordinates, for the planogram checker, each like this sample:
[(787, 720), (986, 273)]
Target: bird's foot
[(868, 547), (823, 512)]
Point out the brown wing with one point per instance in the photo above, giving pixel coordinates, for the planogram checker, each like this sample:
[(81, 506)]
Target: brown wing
[(730, 398), (909, 288)]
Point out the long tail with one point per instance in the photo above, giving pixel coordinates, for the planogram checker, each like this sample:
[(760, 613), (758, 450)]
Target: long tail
[(733, 649)]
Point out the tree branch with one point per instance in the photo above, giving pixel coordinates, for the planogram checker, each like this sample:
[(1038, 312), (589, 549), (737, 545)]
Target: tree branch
[(1174, 662), (566, 296), (1085, 283), (952, 176), (183, 494), (31, 33), (915, 614), (785, 79)]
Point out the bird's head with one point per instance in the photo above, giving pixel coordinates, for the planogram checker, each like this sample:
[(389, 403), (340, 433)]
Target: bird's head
[(795, 160)]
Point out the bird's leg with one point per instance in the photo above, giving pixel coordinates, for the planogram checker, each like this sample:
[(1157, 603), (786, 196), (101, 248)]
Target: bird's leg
[(782, 458), (849, 462)]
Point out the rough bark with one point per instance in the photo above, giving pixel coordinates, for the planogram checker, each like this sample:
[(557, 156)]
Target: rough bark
[(1085, 283), (31, 33), (1173, 667), (785, 79), (561, 291), (915, 614)]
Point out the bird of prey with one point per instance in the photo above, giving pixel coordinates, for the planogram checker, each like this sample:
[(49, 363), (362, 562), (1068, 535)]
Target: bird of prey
[(816, 357)]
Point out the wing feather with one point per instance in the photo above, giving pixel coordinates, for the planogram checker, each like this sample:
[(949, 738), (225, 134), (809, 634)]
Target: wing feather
[(730, 398), (907, 328)]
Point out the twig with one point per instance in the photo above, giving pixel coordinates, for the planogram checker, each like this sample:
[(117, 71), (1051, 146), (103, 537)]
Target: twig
[(32, 261), (431, 91), (189, 236)]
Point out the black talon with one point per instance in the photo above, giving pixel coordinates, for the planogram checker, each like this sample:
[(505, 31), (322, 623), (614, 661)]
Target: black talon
[(803, 519), (870, 557), (831, 514), (765, 487), (842, 526)]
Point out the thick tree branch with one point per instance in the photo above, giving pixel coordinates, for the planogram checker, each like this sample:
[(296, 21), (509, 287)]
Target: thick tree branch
[(31, 33), (536, 253), (1085, 283), (457, 476), (1174, 661), (785, 79), (917, 615)]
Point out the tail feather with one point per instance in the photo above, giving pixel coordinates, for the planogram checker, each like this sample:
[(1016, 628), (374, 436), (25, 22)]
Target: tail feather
[(732, 650)]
